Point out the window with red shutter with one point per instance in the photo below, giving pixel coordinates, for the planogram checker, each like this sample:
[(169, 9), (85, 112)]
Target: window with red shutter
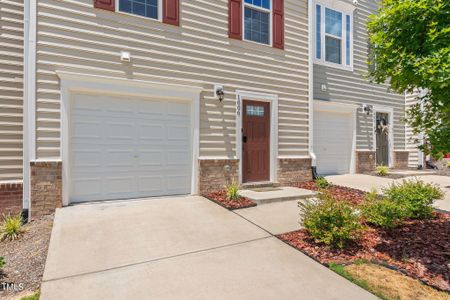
[(278, 24), (235, 19), (105, 4)]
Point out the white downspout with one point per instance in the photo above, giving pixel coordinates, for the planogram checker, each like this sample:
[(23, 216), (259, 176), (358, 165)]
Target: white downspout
[(311, 82), (29, 94)]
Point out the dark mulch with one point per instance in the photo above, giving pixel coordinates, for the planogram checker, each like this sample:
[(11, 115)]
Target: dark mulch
[(340, 193), (25, 257), (419, 248), (220, 197)]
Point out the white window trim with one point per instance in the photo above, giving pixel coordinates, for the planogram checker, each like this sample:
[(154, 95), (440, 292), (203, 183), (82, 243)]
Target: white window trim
[(74, 82), (160, 12), (390, 111), (273, 100), (345, 9), (270, 11)]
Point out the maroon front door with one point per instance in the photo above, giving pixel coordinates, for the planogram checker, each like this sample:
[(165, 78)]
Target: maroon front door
[(256, 141)]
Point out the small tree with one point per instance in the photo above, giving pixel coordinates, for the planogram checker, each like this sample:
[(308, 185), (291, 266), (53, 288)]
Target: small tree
[(411, 50)]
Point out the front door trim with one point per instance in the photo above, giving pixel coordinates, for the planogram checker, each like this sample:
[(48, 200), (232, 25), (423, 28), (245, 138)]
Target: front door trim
[(390, 111), (273, 100)]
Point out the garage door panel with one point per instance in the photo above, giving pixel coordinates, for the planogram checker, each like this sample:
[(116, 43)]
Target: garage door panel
[(129, 147)]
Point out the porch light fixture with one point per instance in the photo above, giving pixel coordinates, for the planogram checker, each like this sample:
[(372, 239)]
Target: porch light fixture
[(367, 108), (219, 93)]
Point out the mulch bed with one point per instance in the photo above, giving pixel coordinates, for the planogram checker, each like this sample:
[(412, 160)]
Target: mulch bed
[(25, 257), (419, 248), (340, 193), (220, 197)]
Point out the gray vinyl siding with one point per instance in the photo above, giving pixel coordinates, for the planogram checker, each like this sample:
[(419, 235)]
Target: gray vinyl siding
[(11, 85), (352, 86), (73, 36), (411, 144)]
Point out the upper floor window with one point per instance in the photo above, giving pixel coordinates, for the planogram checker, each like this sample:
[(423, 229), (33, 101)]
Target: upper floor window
[(145, 8), (257, 21), (333, 34)]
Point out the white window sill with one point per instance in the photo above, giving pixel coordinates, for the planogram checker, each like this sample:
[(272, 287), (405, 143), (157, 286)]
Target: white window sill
[(333, 65)]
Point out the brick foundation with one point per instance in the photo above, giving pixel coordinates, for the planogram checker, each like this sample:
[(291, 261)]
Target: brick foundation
[(294, 170), (46, 187), (11, 198), (214, 174), (401, 159), (365, 161)]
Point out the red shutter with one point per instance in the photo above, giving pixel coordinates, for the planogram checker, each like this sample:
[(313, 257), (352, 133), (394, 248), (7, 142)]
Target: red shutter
[(105, 4), (235, 19), (171, 12), (278, 24)]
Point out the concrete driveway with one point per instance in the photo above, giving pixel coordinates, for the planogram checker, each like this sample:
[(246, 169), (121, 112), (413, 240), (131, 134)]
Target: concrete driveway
[(368, 182), (177, 248)]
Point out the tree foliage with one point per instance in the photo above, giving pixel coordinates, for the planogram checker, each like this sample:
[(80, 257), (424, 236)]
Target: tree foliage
[(411, 49)]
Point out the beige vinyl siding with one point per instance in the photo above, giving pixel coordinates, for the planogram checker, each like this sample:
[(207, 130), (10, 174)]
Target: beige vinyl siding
[(75, 37), (11, 85), (352, 87), (411, 144)]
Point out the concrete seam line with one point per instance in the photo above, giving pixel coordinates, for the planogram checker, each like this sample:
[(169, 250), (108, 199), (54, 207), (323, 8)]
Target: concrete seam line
[(156, 259), (252, 223)]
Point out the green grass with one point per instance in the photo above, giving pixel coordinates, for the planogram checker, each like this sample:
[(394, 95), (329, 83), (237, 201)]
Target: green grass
[(35, 296), (340, 269)]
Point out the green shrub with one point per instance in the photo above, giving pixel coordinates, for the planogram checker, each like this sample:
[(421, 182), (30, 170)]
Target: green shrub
[(35, 296), (322, 183), (384, 213), (382, 170), (330, 222), (232, 191), (416, 196), (448, 164), (11, 228), (2, 262)]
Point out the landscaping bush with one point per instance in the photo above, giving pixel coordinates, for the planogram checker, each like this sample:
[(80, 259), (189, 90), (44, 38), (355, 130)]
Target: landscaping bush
[(416, 196), (232, 191), (331, 222), (2, 261), (322, 183), (11, 228), (384, 212), (382, 170)]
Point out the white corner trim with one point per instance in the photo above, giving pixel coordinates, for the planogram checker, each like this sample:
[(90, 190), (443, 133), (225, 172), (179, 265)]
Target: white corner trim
[(311, 48), (29, 97), (273, 100), (332, 106), (72, 83), (389, 110)]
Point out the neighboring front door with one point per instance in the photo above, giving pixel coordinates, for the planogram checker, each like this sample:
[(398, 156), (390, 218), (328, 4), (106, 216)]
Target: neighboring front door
[(382, 133), (256, 141)]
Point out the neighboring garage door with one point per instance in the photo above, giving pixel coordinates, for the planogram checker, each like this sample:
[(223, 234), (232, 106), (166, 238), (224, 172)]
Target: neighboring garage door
[(333, 139), (124, 147)]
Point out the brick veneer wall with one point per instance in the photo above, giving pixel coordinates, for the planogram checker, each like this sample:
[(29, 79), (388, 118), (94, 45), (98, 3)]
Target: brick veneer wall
[(214, 174), (46, 187), (294, 170), (11, 198), (401, 159), (365, 161)]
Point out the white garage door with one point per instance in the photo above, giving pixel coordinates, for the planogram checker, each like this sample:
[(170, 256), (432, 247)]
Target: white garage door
[(333, 136), (124, 147)]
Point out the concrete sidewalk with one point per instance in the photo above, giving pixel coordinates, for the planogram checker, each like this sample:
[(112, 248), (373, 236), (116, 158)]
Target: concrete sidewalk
[(178, 248), (368, 182)]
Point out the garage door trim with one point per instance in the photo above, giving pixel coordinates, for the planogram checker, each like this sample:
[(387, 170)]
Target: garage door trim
[(72, 83), (332, 106)]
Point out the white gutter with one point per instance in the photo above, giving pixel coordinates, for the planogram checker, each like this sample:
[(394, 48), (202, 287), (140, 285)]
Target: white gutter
[(29, 96), (311, 82)]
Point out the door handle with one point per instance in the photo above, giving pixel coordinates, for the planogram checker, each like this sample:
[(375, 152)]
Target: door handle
[(244, 139)]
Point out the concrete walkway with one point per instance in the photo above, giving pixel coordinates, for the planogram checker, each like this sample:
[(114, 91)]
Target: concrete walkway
[(177, 248), (368, 182)]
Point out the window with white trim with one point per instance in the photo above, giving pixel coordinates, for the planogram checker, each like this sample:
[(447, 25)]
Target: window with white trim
[(333, 35), (144, 8), (257, 21)]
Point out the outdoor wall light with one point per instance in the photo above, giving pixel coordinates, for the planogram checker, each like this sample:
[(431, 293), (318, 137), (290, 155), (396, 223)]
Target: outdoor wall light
[(367, 108), (219, 92)]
